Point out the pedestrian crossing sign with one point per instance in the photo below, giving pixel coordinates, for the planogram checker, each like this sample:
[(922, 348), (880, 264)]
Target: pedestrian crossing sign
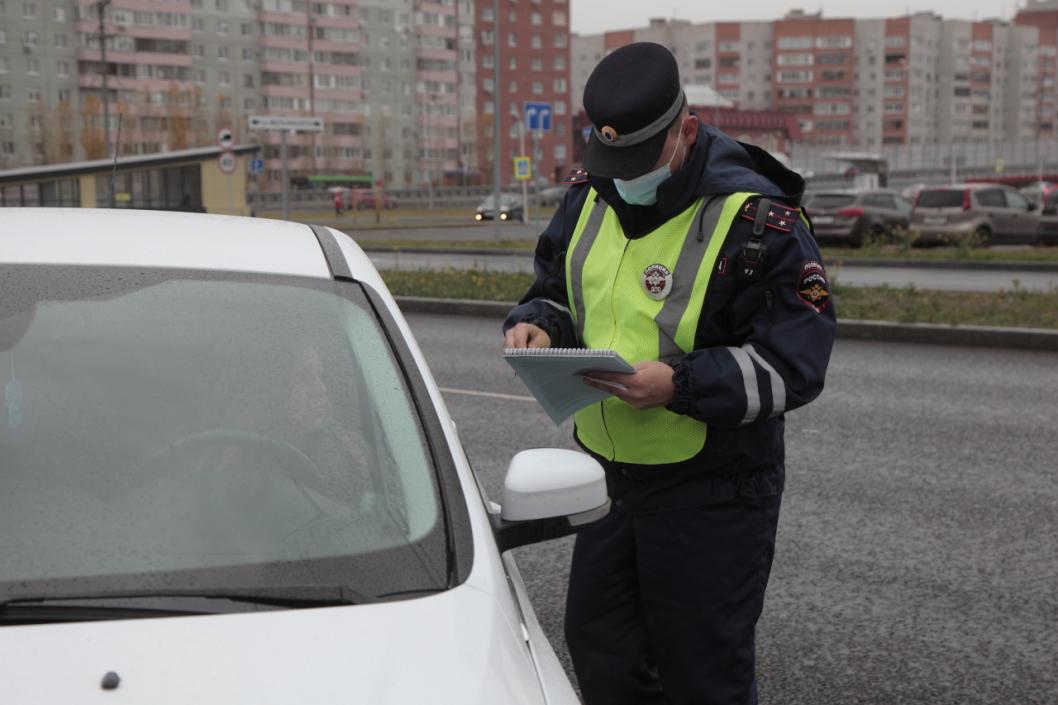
[(523, 168)]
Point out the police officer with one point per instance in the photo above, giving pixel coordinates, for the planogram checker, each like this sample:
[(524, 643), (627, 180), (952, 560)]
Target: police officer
[(686, 252)]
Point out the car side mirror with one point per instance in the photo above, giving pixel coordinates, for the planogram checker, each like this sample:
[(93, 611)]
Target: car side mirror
[(549, 493)]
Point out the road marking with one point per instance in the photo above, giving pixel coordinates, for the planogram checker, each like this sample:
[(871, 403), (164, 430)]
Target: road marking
[(491, 395)]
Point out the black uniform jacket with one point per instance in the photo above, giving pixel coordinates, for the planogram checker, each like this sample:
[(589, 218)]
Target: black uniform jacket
[(784, 316)]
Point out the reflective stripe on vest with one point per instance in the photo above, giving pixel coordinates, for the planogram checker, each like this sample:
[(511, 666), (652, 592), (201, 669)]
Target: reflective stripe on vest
[(605, 273)]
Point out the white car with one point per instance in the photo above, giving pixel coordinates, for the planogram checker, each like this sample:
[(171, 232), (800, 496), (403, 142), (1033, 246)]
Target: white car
[(227, 476)]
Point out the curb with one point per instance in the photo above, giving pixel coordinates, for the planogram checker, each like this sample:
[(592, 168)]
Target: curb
[(879, 331), (994, 265), (997, 265)]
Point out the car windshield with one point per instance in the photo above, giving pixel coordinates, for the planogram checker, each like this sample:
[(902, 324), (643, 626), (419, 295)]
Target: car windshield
[(827, 201), (490, 202), (169, 429), (940, 198)]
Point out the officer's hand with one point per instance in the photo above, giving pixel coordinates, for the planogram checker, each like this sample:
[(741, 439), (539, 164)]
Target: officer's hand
[(526, 335), (650, 385)]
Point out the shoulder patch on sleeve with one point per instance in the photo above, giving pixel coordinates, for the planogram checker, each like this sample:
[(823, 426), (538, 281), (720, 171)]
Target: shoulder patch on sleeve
[(812, 286), (780, 216), (576, 176)]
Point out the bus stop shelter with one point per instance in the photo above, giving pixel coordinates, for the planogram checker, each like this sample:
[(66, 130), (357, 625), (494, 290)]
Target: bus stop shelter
[(188, 179)]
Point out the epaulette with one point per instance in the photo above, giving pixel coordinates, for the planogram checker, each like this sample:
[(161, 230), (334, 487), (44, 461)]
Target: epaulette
[(577, 176), (780, 216)]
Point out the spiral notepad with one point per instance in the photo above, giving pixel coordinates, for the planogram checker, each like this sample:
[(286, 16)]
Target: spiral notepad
[(553, 376)]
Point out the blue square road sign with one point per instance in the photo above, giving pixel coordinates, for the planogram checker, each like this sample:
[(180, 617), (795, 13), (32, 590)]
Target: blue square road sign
[(537, 117)]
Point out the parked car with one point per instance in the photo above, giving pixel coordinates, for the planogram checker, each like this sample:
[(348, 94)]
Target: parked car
[(364, 199), (1049, 220), (551, 196), (511, 208), (1038, 191), (849, 217), (229, 477), (981, 213)]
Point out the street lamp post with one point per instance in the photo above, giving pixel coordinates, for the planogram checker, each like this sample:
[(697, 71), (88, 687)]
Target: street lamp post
[(429, 158), (496, 122)]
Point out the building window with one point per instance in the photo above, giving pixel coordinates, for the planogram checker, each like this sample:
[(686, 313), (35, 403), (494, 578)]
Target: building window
[(537, 42), (538, 88), (558, 18), (512, 39), (561, 40), (29, 10), (560, 85), (560, 152), (794, 43), (32, 65), (536, 19)]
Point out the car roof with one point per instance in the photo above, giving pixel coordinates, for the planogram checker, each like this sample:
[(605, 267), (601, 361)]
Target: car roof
[(139, 238), (964, 187)]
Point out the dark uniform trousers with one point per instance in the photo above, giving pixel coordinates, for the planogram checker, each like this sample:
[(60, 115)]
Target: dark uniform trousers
[(662, 607)]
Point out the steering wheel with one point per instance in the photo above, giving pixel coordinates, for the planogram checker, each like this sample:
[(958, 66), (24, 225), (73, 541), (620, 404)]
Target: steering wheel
[(298, 466)]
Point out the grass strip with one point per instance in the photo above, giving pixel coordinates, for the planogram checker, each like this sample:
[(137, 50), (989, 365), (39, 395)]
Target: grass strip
[(1016, 308)]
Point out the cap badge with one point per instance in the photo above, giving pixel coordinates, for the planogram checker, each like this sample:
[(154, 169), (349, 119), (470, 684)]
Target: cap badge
[(608, 133), (657, 281)]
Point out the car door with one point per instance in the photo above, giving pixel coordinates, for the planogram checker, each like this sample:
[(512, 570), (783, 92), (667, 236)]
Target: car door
[(1025, 219), (993, 204), (903, 211)]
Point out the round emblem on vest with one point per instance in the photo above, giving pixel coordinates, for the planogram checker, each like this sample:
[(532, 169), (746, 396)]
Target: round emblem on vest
[(608, 133), (657, 281)]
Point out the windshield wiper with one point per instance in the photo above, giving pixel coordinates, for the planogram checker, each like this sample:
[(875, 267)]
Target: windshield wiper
[(296, 596)]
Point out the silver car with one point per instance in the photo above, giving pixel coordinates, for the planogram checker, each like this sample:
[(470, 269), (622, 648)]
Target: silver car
[(982, 214)]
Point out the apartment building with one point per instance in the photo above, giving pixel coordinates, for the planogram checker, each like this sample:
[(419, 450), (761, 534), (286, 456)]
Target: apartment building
[(1042, 15), (534, 48), (865, 84), (38, 83)]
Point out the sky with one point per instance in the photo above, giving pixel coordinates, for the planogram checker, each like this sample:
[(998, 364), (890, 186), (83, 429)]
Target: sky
[(594, 16)]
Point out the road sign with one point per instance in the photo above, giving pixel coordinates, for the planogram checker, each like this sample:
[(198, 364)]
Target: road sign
[(275, 122), (225, 139), (256, 166), (226, 163), (538, 117), (523, 168)]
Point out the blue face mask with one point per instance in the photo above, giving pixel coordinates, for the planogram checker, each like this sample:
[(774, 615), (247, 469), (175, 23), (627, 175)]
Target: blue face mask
[(643, 190)]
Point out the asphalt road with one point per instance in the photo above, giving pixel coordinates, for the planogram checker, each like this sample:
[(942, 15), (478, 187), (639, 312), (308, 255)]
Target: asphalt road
[(917, 557), (952, 280)]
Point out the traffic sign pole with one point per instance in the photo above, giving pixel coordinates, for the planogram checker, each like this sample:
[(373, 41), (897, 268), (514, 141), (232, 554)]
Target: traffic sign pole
[(525, 185), (285, 125)]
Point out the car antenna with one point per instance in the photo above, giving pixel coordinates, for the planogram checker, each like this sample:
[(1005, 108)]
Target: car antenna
[(114, 170)]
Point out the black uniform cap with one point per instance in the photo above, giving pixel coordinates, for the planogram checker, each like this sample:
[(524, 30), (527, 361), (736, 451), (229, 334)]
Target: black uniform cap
[(631, 98)]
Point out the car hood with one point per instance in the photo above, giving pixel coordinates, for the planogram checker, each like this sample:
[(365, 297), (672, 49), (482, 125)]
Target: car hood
[(454, 647)]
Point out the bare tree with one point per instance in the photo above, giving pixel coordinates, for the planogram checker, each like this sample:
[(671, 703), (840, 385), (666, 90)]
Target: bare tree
[(92, 139), (176, 118)]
